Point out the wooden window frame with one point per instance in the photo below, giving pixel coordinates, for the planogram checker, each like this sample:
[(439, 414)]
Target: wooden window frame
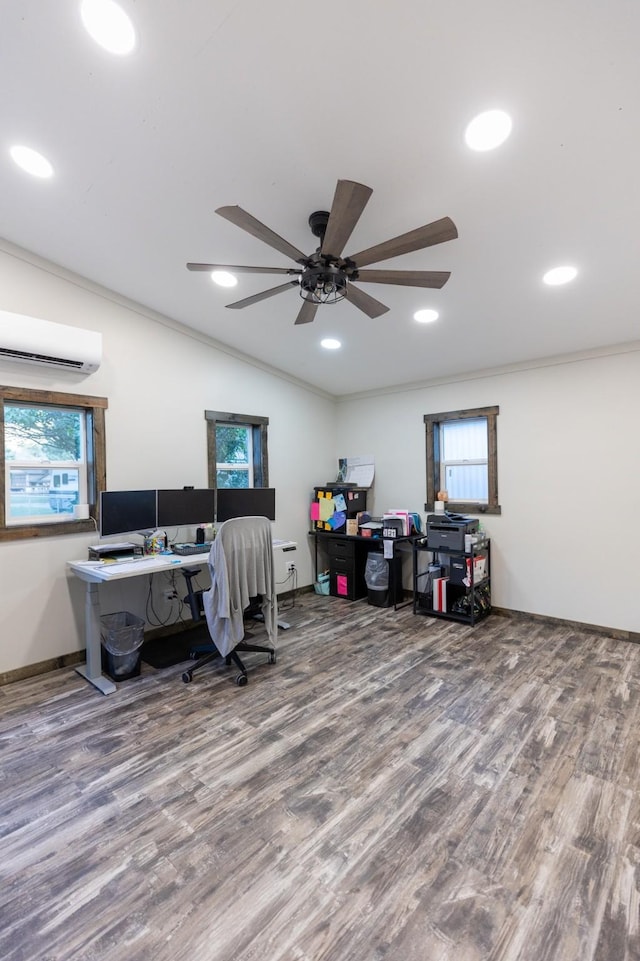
[(259, 427), (94, 410), (432, 422)]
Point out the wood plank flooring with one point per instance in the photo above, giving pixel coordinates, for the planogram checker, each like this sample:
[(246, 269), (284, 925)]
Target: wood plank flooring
[(395, 788)]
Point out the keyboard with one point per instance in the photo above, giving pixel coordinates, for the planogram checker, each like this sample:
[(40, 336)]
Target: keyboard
[(186, 549)]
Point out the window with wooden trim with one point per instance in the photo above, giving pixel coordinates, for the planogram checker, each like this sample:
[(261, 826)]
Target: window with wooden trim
[(52, 457), (462, 459), (237, 450)]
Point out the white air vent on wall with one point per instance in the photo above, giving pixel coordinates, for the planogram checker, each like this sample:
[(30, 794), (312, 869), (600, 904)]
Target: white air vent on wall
[(32, 341)]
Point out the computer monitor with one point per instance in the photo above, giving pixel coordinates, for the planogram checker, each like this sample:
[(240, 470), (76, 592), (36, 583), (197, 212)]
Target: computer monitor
[(187, 506), (245, 502), (122, 512)]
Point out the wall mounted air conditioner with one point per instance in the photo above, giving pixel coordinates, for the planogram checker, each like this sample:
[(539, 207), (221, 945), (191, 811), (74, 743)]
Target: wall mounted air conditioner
[(32, 341)]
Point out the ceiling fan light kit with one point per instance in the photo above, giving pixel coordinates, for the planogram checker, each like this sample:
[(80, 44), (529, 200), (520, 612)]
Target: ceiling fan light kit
[(326, 277)]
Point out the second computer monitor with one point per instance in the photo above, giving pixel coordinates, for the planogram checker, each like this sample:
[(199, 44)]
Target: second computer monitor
[(245, 502), (179, 508)]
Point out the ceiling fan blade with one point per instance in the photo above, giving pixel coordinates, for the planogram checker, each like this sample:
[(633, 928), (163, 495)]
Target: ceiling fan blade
[(255, 298), (307, 312), (371, 307), (349, 201), (244, 270), (245, 221), (427, 236), (407, 278)]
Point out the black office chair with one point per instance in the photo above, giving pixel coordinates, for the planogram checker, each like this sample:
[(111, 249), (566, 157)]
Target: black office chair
[(242, 587)]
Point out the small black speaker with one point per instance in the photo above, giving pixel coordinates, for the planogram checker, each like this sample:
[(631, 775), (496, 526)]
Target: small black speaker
[(200, 535)]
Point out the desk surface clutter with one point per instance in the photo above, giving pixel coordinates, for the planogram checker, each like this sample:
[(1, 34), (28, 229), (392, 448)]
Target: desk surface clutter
[(128, 567)]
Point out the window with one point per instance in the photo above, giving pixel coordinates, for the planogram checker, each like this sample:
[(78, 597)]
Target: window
[(237, 450), (234, 455), (462, 459), (52, 457)]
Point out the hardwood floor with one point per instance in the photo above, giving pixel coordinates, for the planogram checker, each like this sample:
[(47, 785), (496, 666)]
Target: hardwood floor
[(395, 788)]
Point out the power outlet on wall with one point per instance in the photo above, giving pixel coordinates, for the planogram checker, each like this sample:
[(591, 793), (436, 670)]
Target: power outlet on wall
[(170, 594), (291, 568)]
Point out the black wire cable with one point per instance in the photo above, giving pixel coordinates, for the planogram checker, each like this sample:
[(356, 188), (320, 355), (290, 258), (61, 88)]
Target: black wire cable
[(292, 578)]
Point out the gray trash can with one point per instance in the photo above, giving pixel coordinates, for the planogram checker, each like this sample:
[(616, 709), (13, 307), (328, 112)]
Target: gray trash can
[(383, 579), (122, 636), (376, 576)]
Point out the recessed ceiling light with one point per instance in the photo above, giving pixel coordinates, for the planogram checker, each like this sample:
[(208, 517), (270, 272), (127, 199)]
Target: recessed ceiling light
[(31, 161), (488, 130), (426, 316), (223, 278), (109, 25), (330, 344), (560, 275)]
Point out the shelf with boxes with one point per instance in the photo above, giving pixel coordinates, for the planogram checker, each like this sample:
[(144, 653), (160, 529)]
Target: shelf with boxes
[(452, 570)]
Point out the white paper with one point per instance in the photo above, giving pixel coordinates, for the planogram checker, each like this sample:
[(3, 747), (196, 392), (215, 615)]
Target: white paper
[(360, 470)]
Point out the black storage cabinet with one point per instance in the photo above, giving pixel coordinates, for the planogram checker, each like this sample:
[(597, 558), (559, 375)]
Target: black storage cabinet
[(347, 559)]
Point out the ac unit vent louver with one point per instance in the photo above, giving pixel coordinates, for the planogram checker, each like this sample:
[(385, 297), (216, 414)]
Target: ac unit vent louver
[(30, 340)]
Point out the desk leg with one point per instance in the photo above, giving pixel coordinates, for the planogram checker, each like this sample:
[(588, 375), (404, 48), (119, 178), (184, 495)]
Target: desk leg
[(397, 588), (92, 670)]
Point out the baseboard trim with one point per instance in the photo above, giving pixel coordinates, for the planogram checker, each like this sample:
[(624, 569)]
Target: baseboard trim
[(42, 667), (618, 635)]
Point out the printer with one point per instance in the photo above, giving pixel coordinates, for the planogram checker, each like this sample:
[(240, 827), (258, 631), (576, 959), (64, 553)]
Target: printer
[(112, 551), (447, 531)]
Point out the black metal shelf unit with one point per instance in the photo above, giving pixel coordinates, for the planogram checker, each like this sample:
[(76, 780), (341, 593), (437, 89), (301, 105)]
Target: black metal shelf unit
[(465, 592)]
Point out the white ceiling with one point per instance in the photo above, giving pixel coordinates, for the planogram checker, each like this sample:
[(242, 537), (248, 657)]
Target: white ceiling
[(267, 103)]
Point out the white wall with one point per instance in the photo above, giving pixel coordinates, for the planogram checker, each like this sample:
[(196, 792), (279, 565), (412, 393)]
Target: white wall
[(159, 379), (568, 478)]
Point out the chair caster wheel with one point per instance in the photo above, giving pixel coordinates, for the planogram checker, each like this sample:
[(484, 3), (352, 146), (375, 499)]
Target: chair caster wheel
[(272, 657), (187, 677), (242, 680)]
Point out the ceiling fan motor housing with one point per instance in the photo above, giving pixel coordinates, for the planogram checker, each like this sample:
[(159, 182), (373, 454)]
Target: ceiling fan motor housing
[(326, 282), (318, 221)]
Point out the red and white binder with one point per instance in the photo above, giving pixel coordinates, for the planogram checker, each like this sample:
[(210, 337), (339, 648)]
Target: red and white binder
[(440, 593)]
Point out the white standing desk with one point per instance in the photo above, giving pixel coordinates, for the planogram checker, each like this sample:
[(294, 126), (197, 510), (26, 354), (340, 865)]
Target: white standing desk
[(94, 573)]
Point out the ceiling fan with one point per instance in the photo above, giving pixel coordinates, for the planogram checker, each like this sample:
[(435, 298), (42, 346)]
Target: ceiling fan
[(326, 276)]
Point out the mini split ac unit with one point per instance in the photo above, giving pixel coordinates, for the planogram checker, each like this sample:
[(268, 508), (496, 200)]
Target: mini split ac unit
[(32, 341)]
